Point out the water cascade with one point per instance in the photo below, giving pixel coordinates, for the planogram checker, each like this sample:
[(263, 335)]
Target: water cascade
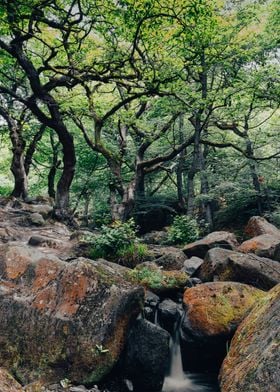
[(176, 379)]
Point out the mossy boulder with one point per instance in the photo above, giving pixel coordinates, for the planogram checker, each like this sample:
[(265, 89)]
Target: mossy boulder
[(226, 265), (258, 225), (154, 278), (217, 239), (212, 313), (264, 245), (8, 383), (253, 361), (62, 320)]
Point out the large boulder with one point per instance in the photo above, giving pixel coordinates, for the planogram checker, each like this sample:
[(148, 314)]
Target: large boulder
[(258, 225), (146, 356), (213, 312), (253, 361), (167, 257), (62, 320), (217, 239), (8, 383), (226, 265), (265, 245)]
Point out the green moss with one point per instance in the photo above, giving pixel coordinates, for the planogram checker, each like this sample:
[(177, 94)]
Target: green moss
[(157, 279)]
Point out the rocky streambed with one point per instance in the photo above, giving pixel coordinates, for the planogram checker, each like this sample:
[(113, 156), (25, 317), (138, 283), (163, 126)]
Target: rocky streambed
[(69, 323)]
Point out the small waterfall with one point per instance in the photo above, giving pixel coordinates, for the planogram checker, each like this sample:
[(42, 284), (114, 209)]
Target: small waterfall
[(177, 380)]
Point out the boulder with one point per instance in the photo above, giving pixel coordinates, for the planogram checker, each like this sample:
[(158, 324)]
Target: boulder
[(217, 239), (8, 383), (191, 265), (146, 356), (213, 312), (225, 265), (62, 320), (155, 237), (258, 225), (169, 312), (36, 219), (167, 257), (42, 209), (265, 245), (253, 361), (157, 280)]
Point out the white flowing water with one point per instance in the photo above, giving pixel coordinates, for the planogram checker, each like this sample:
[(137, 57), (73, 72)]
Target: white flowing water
[(177, 380)]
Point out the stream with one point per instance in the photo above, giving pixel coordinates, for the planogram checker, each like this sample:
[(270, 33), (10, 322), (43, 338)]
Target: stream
[(177, 380)]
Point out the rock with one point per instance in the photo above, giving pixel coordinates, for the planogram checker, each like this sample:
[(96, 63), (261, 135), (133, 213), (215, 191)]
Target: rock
[(217, 239), (225, 265), (265, 245), (37, 240), (191, 265), (167, 257), (146, 356), (155, 237), (42, 209), (8, 383), (151, 304), (157, 280), (253, 361), (62, 320), (36, 219), (258, 225), (168, 314), (213, 312)]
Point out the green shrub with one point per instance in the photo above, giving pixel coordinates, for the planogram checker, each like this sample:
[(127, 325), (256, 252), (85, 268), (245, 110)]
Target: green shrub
[(183, 230), (118, 242), (158, 279)]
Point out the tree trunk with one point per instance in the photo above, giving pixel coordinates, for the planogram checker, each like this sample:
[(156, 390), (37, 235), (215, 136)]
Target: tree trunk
[(180, 167), (54, 166), (193, 170), (18, 170), (69, 162), (31, 148), (206, 204)]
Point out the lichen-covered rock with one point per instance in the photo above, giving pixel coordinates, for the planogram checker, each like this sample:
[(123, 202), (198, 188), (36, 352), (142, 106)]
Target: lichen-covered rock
[(8, 383), (154, 278), (226, 265), (213, 312), (217, 239), (167, 257), (253, 361), (264, 245), (258, 225), (62, 320), (146, 356)]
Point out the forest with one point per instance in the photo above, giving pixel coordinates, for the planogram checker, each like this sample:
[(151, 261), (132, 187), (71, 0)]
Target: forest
[(143, 132)]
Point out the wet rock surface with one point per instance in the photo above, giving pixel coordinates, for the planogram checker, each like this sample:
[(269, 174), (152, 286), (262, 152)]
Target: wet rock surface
[(253, 361), (225, 265), (146, 356)]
